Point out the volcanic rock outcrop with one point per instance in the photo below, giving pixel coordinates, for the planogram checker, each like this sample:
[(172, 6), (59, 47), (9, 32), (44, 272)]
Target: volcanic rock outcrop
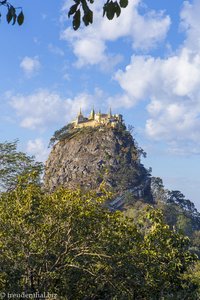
[(91, 156)]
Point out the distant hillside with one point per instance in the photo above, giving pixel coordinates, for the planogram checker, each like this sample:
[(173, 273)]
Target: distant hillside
[(179, 211)]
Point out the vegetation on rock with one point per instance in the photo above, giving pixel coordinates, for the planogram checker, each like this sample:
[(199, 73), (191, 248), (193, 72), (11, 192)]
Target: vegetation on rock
[(178, 210)]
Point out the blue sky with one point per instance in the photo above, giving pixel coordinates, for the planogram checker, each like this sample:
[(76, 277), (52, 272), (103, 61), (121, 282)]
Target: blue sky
[(145, 65)]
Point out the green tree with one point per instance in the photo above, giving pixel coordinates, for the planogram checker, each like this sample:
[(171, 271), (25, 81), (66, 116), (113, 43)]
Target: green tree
[(70, 244), (193, 275), (178, 198), (158, 190), (14, 163), (65, 132), (195, 239), (184, 224)]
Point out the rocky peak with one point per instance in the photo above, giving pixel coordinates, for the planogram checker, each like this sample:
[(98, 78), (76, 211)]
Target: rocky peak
[(89, 156)]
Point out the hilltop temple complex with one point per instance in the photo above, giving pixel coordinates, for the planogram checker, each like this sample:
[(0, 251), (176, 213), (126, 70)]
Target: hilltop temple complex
[(97, 119)]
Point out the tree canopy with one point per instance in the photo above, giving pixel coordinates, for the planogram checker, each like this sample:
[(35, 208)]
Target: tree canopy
[(14, 163), (68, 243)]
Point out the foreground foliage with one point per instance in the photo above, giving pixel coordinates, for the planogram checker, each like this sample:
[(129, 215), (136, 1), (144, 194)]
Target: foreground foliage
[(80, 10), (70, 244), (14, 14)]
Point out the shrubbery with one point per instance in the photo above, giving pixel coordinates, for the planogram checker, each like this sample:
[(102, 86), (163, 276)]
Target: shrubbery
[(70, 244)]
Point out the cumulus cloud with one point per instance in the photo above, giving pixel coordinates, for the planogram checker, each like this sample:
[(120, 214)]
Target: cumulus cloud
[(38, 148), (171, 85), (121, 100), (30, 65), (190, 24), (144, 31), (44, 107)]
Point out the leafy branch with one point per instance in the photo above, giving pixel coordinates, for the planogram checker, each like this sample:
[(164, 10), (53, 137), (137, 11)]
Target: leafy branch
[(81, 9), (12, 13)]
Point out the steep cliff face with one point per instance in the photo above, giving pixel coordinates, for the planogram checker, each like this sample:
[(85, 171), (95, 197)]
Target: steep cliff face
[(95, 155)]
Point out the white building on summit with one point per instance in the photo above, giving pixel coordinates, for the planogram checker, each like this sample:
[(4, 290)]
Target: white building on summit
[(97, 119)]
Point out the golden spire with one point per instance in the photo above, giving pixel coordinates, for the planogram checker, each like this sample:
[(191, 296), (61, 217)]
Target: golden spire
[(80, 112), (110, 113), (92, 114), (99, 115)]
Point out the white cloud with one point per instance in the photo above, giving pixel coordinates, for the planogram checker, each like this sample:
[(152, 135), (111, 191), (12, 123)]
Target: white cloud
[(118, 101), (56, 50), (177, 75), (44, 108), (89, 51), (89, 43), (149, 29), (190, 24), (38, 148), (30, 65), (172, 87)]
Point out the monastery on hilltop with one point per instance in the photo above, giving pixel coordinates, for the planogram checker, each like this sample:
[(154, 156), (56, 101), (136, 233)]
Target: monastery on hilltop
[(97, 119)]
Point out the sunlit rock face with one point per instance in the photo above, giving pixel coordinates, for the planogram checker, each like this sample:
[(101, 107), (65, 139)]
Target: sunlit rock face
[(95, 156)]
